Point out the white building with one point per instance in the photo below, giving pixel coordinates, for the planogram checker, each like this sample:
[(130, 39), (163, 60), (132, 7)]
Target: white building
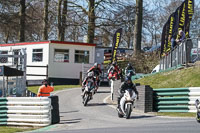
[(64, 59)]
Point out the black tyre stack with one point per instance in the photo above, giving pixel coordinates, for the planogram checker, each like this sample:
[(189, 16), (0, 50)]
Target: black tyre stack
[(55, 114)]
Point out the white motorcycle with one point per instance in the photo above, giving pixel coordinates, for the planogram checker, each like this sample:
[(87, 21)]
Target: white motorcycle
[(127, 103), (197, 104), (88, 92)]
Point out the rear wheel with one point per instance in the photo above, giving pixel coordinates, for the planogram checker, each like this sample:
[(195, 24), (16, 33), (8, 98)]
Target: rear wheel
[(128, 111), (85, 99)]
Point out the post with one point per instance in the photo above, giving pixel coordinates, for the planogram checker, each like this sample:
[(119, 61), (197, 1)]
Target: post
[(81, 78), (112, 89), (4, 89), (47, 71)]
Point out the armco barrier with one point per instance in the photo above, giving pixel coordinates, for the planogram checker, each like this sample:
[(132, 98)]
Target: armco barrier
[(176, 99), (25, 111)]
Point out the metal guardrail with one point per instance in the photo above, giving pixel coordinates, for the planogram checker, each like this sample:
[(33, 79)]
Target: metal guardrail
[(176, 99), (25, 111)]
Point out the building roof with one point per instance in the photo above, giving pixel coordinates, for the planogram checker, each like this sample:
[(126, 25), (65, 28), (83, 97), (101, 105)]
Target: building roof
[(47, 42)]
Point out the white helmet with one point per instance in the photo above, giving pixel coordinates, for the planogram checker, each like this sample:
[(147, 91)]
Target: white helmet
[(95, 65)]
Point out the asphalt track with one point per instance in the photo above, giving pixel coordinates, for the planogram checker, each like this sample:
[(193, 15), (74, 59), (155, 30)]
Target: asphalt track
[(101, 117)]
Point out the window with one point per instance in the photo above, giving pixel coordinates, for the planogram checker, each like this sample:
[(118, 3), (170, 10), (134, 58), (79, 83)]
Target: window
[(61, 55), (37, 55), (81, 56), (3, 59)]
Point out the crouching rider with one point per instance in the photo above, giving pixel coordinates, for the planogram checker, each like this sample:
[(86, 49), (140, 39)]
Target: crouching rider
[(127, 84)]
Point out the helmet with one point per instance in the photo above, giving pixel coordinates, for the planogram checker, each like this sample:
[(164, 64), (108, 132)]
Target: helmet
[(90, 74), (128, 79), (95, 64), (129, 64)]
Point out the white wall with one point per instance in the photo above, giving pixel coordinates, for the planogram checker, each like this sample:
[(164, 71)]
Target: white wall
[(29, 50), (68, 70)]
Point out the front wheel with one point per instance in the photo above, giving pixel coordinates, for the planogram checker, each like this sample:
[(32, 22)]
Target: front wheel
[(128, 111), (198, 117), (120, 115), (85, 99)]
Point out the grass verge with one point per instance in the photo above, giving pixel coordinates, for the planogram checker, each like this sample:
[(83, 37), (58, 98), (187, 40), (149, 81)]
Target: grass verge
[(8, 129), (177, 114), (56, 87), (188, 77)]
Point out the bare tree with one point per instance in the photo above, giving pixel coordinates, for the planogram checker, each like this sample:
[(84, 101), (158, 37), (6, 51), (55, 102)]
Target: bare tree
[(62, 19), (59, 20), (138, 27), (91, 24), (22, 20), (46, 11)]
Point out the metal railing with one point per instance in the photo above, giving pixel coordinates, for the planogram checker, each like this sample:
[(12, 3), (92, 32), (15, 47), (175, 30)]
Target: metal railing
[(180, 55)]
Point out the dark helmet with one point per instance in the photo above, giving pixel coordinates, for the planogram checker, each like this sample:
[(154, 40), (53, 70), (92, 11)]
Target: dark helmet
[(128, 79), (129, 64)]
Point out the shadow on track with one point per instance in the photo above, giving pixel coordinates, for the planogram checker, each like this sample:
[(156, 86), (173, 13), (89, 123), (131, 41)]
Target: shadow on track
[(97, 104), (141, 117), (103, 91), (74, 111), (70, 121)]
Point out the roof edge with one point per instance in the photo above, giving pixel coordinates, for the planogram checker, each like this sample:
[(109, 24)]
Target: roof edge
[(50, 41)]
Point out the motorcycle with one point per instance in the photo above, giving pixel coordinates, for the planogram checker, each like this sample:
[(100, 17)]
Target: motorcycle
[(114, 75), (88, 92), (197, 104), (127, 103)]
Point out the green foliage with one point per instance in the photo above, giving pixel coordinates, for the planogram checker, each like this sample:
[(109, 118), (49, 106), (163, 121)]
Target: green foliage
[(144, 62), (56, 87), (188, 77)]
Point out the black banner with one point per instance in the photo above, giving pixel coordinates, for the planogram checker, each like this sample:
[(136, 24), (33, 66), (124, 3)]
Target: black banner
[(176, 20), (171, 23), (179, 20), (116, 41), (188, 15), (163, 40)]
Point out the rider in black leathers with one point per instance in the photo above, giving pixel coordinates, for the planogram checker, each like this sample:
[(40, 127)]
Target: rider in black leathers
[(127, 84), (131, 69)]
